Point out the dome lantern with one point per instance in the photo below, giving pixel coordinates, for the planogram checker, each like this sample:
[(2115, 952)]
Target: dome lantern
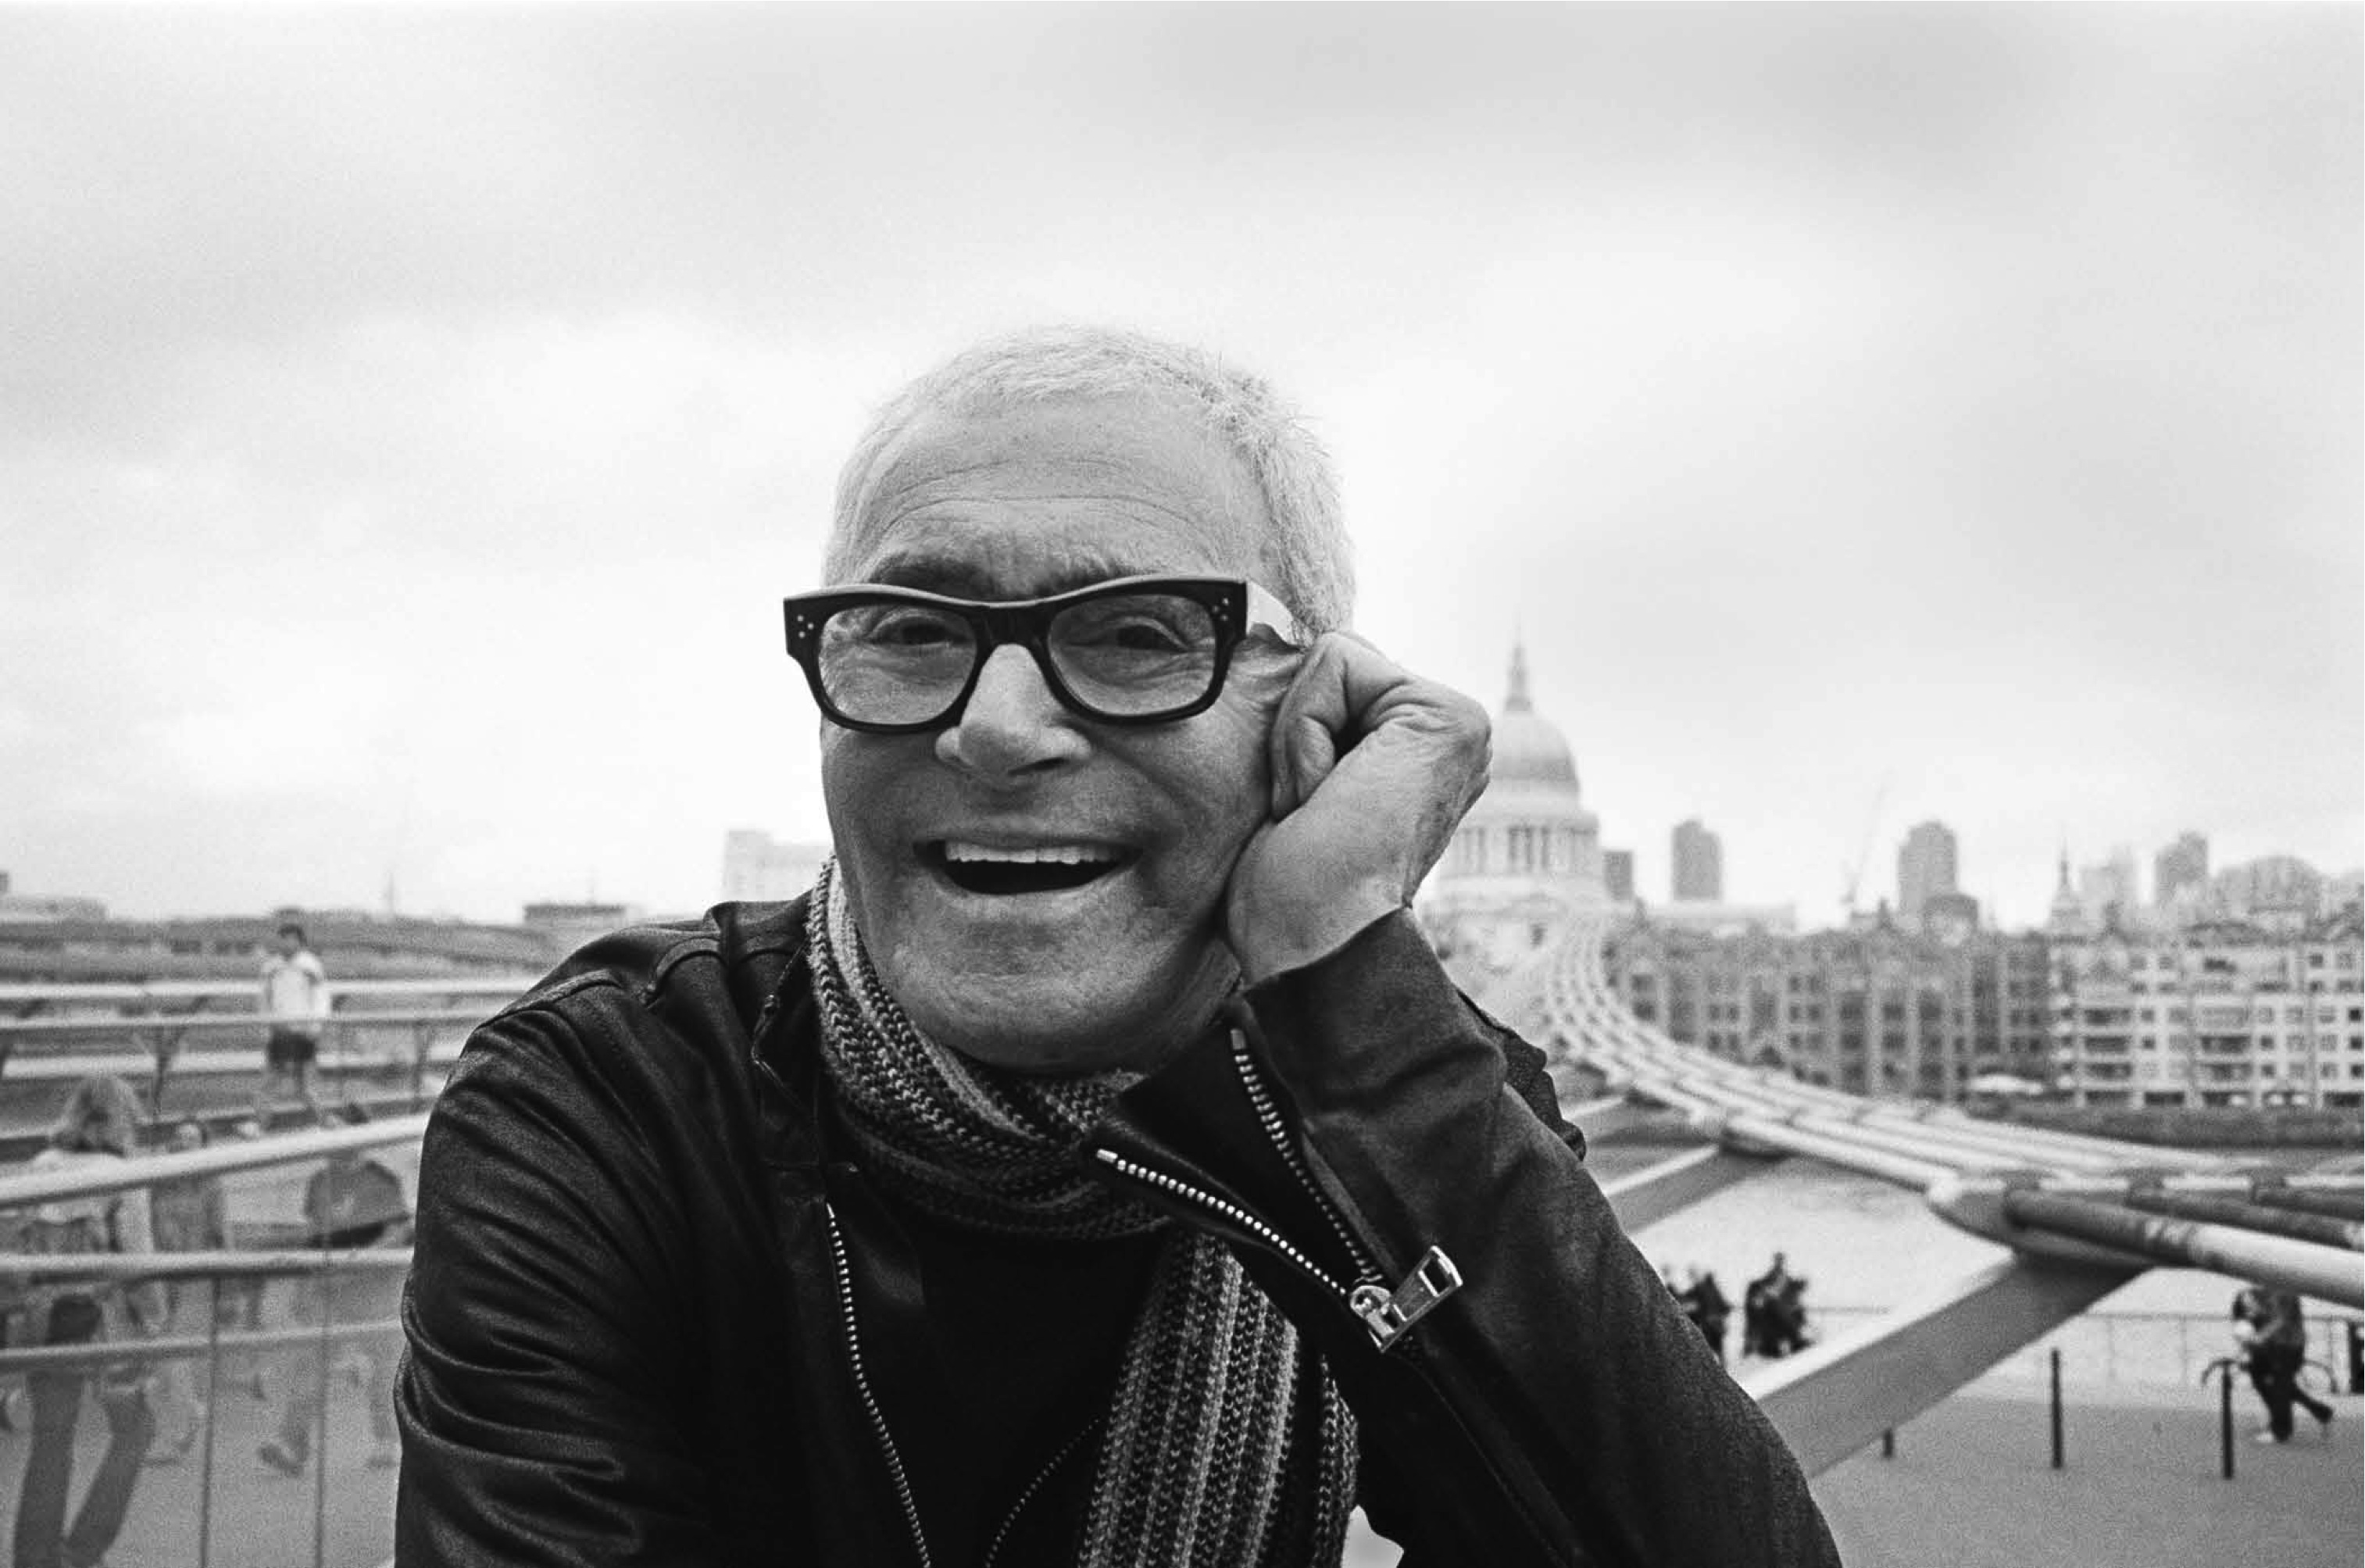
[(1529, 747)]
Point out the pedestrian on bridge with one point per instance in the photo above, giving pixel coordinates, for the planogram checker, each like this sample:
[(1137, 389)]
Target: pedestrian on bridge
[(1705, 1303), (352, 1201), (296, 1010), (188, 1216), (2272, 1334), (99, 1124), (1096, 1166)]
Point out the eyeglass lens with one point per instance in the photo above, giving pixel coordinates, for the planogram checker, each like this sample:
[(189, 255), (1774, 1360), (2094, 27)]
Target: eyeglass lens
[(1121, 655)]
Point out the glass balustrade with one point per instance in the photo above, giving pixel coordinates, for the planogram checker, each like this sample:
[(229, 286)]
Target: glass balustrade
[(241, 1396)]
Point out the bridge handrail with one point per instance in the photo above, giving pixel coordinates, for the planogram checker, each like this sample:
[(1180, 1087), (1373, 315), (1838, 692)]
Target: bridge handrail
[(248, 991), (245, 1023), (47, 1268), (22, 1187), (96, 1355)]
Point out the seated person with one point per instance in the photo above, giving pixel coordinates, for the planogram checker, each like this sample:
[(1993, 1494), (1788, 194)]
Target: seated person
[(1096, 1166)]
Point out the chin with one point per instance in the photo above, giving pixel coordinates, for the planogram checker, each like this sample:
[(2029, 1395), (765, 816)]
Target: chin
[(1067, 1025)]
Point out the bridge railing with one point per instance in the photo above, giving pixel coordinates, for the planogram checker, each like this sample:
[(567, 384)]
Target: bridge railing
[(246, 1392), (2113, 1348), (194, 1043)]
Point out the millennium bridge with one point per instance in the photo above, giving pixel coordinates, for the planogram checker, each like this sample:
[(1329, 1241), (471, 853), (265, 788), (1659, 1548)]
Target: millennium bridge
[(2081, 1216)]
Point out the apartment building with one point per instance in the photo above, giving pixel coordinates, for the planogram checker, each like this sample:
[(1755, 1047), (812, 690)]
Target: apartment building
[(2227, 1012), (1876, 1010)]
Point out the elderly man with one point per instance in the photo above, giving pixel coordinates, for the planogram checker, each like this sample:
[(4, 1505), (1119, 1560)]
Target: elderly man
[(1095, 1167)]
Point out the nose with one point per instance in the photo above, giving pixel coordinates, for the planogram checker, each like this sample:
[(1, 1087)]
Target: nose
[(1013, 725)]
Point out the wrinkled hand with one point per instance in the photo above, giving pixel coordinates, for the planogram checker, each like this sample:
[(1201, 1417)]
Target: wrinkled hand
[(1372, 767)]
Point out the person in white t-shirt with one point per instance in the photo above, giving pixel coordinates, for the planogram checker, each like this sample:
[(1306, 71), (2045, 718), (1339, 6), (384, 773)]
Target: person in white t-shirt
[(295, 1008)]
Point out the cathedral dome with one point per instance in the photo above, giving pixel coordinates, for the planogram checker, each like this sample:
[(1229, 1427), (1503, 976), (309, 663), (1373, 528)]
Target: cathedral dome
[(1529, 747)]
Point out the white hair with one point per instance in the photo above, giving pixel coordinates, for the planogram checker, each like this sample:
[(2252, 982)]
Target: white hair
[(1047, 363)]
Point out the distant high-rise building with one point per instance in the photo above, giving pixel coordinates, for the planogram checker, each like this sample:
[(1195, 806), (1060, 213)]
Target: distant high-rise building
[(2108, 890), (2281, 892), (1700, 864), (2180, 873), (1925, 869), (758, 868), (1618, 874)]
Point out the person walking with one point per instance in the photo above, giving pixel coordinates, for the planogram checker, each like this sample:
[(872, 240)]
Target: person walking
[(2272, 1334), (1761, 1311), (296, 1010), (188, 1217), (100, 1123), (1705, 1305), (351, 1202)]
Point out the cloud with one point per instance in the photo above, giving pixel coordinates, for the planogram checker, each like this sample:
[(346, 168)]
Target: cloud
[(1962, 394)]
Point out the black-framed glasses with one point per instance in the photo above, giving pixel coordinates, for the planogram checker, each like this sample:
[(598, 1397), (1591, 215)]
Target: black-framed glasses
[(1144, 650)]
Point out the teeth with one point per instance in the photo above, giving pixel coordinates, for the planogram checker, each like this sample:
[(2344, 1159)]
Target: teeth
[(1041, 854)]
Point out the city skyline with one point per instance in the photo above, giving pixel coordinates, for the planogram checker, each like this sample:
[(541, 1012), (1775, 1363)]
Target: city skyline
[(412, 418)]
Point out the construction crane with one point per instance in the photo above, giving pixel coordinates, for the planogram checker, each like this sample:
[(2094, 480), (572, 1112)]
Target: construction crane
[(1855, 874)]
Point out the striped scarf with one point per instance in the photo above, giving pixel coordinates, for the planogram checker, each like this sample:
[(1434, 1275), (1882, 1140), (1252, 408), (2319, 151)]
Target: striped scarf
[(1226, 1443)]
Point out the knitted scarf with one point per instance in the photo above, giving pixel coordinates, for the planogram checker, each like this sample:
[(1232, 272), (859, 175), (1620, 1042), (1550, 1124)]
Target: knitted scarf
[(1226, 1443)]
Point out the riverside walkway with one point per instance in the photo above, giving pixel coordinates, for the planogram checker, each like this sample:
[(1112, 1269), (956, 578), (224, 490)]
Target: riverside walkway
[(1972, 1486)]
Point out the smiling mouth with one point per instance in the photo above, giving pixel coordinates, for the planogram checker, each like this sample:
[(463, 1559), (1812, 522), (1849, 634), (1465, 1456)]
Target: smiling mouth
[(1043, 868)]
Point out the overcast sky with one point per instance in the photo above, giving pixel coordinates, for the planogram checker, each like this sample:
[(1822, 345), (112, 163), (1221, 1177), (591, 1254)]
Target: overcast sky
[(408, 420)]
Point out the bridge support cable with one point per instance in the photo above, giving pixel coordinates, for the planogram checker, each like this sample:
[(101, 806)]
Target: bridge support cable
[(2029, 1218), (1836, 1398), (1767, 1135), (2321, 1230), (2312, 1199)]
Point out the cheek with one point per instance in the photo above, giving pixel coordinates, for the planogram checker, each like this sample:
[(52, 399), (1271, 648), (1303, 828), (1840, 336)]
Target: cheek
[(1226, 786), (855, 773)]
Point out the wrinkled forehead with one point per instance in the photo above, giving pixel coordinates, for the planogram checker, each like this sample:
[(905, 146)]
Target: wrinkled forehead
[(1054, 495)]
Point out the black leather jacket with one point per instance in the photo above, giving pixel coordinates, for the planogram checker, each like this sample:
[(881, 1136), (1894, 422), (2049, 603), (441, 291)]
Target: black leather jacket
[(628, 1333)]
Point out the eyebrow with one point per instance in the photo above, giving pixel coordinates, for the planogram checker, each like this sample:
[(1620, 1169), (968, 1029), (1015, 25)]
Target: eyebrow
[(957, 578)]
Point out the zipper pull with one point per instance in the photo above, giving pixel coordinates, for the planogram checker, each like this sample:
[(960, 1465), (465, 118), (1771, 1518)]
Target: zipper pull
[(1388, 1315)]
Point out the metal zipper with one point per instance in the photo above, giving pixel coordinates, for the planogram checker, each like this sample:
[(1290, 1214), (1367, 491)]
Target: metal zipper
[(1276, 1132), (862, 1386), (1028, 1495), (1384, 1313)]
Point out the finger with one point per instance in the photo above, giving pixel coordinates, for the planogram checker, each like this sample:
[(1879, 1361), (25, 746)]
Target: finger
[(1318, 714)]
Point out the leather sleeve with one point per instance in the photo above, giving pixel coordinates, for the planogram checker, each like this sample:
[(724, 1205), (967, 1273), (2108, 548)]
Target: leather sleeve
[(544, 1326), (1557, 1408)]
